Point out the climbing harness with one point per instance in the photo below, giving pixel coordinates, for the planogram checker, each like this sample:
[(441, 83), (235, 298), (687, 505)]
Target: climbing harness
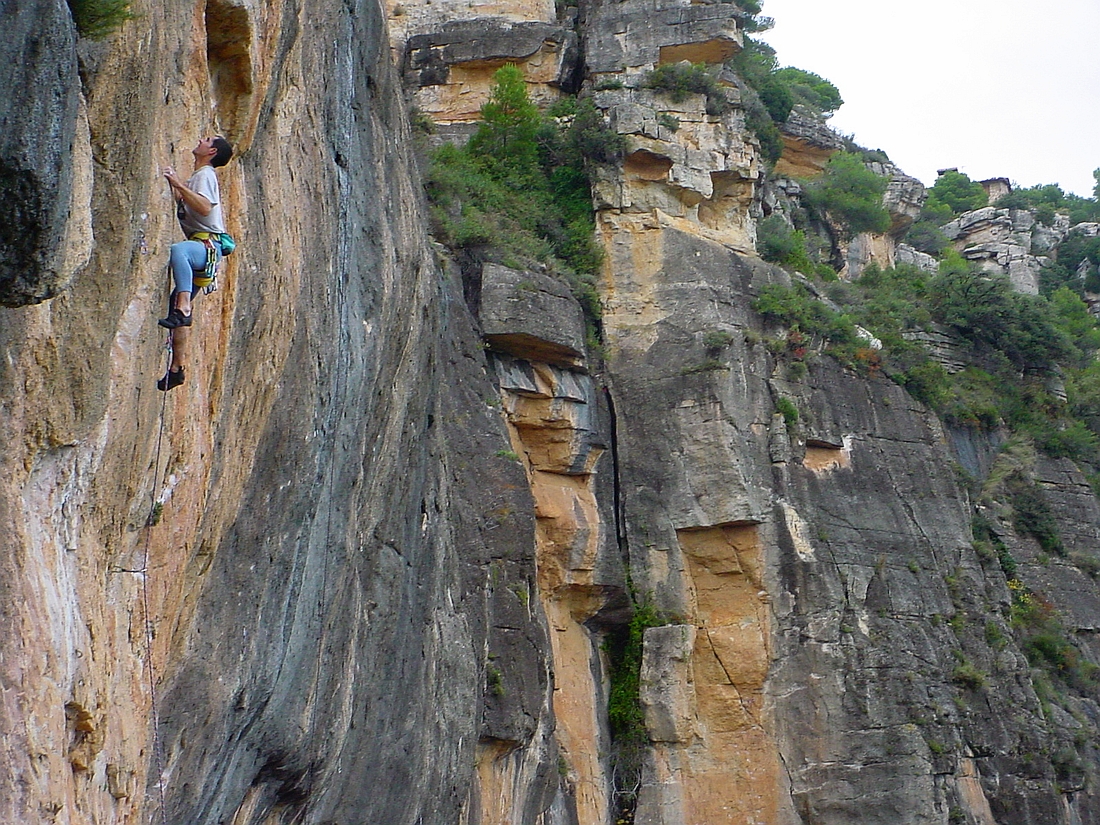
[(208, 281)]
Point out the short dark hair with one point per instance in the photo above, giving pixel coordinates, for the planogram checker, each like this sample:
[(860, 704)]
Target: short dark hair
[(223, 154)]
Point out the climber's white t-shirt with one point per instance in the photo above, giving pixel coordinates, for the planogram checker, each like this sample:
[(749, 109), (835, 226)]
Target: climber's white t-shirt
[(204, 182)]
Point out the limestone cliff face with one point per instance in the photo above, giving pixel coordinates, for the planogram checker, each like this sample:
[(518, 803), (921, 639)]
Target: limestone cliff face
[(365, 564), (338, 546)]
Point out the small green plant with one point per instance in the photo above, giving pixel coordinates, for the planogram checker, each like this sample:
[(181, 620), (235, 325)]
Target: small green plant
[(717, 339), (511, 455), (778, 243), (968, 676), (1044, 639), (608, 84), (422, 124), (155, 514), (1032, 515), (670, 122), (97, 19), (494, 680), (625, 716), (680, 80), (983, 534), (786, 408), (937, 747), (522, 592)]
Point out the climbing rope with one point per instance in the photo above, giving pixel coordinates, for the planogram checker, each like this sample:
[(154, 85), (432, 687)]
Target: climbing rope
[(151, 521)]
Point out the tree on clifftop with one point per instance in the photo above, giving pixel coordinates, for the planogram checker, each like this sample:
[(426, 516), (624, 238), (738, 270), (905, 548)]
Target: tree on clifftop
[(957, 192), (510, 122)]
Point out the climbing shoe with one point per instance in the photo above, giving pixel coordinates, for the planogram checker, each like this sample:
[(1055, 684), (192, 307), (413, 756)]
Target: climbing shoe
[(175, 319), (171, 379)]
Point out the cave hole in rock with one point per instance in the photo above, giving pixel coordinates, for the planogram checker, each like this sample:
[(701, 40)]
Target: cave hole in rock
[(732, 197), (710, 52), (229, 57), (822, 456), (647, 165)]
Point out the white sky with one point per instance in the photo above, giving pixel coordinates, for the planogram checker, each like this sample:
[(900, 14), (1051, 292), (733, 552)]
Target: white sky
[(997, 88)]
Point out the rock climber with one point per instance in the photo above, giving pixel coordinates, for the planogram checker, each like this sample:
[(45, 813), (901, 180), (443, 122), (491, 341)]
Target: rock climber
[(199, 209)]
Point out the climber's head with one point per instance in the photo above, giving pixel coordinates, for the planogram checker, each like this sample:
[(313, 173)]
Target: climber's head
[(223, 154), (213, 150)]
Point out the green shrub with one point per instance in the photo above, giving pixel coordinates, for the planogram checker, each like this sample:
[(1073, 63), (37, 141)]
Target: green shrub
[(957, 192), (521, 184), (796, 308), (850, 193), (668, 121), (771, 92), (625, 716), (679, 80), (983, 532), (811, 90), (98, 19), (968, 676), (761, 125), (786, 408), (925, 236), (1032, 515), (988, 312), (778, 243), (717, 339), (928, 382), (1077, 248)]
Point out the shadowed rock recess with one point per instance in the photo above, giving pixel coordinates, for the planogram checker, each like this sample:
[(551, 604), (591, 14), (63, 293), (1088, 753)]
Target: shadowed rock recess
[(377, 560)]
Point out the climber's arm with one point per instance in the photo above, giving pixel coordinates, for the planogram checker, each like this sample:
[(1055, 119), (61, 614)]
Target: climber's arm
[(196, 203)]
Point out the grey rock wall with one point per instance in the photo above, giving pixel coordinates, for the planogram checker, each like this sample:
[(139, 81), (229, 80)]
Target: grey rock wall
[(39, 114)]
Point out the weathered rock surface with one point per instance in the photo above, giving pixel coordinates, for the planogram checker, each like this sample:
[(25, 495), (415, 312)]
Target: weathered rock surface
[(807, 144), (531, 315), (999, 240), (627, 38), (339, 548), (450, 70), (389, 553), (44, 157)]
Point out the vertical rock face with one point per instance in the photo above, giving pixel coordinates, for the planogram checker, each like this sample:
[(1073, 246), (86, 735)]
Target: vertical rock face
[(338, 546), (368, 562), (44, 157)]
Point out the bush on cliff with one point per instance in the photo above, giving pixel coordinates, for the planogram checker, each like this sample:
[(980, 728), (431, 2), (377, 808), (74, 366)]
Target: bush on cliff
[(625, 715), (810, 89), (778, 243), (521, 184), (678, 80), (849, 193), (1015, 341), (956, 191), (99, 18)]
